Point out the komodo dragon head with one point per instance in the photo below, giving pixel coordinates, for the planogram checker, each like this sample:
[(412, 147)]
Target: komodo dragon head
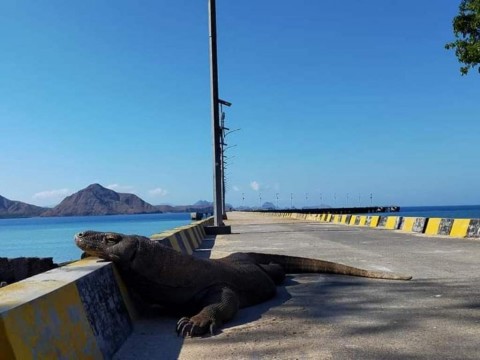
[(111, 246)]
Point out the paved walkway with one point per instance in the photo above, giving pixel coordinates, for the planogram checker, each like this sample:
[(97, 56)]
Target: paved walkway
[(434, 316)]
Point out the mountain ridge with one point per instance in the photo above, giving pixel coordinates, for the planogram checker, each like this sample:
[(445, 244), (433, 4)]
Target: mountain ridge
[(98, 200), (13, 209), (95, 199)]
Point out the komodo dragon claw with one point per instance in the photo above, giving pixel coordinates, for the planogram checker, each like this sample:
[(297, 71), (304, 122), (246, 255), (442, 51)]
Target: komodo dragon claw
[(188, 327), (182, 327)]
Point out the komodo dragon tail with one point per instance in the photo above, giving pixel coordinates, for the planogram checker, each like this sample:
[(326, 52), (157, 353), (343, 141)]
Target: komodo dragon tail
[(294, 264)]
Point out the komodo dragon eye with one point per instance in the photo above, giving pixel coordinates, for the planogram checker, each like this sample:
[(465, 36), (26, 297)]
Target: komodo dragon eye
[(112, 239)]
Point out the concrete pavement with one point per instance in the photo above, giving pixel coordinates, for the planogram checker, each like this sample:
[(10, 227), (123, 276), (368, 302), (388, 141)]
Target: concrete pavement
[(434, 316)]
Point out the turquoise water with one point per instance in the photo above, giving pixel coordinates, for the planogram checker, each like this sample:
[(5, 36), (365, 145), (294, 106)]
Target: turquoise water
[(53, 237)]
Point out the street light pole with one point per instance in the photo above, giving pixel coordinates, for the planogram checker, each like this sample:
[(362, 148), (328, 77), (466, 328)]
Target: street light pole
[(223, 135), (216, 129)]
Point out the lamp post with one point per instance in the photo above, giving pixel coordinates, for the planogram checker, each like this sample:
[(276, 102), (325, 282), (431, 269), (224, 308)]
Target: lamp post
[(223, 134), (216, 128)]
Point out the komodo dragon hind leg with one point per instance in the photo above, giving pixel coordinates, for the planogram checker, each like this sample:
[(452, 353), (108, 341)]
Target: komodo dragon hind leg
[(275, 271), (220, 304)]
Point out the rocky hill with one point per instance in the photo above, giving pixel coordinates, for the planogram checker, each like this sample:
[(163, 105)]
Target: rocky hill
[(98, 200), (11, 209)]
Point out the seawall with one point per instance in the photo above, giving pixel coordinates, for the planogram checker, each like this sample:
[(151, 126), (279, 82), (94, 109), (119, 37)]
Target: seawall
[(81, 310), (458, 228)]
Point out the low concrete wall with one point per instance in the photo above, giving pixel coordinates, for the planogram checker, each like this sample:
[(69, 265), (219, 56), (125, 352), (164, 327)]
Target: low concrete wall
[(185, 238), (16, 269), (460, 228), (78, 311), (413, 224)]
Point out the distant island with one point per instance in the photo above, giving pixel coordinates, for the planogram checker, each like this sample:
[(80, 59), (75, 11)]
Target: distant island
[(14, 209), (96, 200)]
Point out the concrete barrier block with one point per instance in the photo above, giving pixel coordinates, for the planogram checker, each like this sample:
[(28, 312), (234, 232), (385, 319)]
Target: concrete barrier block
[(348, 218), (393, 222), (413, 224), (445, 226), (188, 238), (474, 228), (372, 220), (382, 221), (432, 226), (460, 227), (184, 238), (77, 311), (419, 225), (363, 220), (407, 224)]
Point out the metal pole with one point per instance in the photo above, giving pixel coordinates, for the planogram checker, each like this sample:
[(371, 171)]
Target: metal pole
[(216, 131), (222, 166)]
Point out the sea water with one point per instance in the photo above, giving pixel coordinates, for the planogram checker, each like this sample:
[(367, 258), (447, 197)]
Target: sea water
[(53, 236)]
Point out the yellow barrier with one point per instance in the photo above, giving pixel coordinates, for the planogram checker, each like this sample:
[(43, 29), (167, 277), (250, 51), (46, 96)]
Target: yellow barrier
[(469, 228), (363, 220), (392, 222), (408, 223), (433, 225), (185, 238), (374, 220), (460, 227), (57, 314)]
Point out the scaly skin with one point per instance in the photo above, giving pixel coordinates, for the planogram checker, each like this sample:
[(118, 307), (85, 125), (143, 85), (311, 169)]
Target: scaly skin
[(213, 290)]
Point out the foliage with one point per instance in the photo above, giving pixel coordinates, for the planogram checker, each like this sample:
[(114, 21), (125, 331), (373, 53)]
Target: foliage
[(466, 27)]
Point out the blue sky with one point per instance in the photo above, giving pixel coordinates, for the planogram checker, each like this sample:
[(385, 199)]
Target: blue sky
[(332, 98)]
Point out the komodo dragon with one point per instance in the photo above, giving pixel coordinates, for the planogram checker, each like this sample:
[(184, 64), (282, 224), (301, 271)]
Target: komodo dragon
[(215, 289)]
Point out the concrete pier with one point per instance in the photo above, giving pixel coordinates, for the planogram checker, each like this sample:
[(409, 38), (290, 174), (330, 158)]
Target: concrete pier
[(434, 316)]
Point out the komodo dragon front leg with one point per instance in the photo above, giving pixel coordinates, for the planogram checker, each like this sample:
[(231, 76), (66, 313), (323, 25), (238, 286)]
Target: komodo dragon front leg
[(220, 304)]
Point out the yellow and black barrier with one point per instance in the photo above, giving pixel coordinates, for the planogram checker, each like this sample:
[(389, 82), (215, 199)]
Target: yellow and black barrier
[(185, 238), (459, 228), (81, 310), (78, 311)]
